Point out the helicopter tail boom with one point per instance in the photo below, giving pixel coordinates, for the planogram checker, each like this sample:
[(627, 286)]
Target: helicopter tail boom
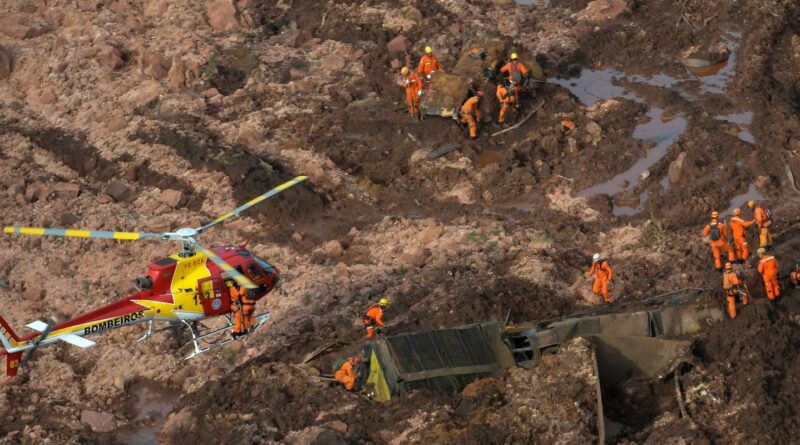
[(10, 341)]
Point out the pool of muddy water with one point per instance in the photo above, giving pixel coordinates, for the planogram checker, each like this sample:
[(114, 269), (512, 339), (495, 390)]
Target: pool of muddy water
[(150, 406)]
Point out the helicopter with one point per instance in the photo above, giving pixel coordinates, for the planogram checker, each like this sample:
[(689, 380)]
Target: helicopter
[(181, 289)]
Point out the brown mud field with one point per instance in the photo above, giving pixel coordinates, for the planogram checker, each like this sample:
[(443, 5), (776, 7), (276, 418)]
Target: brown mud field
[(216, 102)]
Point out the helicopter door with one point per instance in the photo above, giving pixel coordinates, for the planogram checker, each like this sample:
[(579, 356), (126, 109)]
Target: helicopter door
[(214, 298)]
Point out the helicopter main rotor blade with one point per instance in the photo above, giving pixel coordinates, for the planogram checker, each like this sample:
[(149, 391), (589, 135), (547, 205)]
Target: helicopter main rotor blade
[(73, 233), (226, 268), (253, 202)]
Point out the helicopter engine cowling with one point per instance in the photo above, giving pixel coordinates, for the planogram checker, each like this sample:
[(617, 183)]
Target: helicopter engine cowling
[(144, 283)]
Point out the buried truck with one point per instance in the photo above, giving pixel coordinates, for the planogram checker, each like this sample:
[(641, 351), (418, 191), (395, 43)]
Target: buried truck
[(479, 64)]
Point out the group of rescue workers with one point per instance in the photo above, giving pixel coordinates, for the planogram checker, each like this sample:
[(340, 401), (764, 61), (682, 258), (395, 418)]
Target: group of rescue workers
[(508, 90), (351, 374)]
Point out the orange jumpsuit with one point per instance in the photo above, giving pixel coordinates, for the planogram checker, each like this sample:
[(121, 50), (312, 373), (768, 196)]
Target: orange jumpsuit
[(768, 268), (471, 115), (346, 375), (413, 86), (515, 70), (733, 286), (794, 277), (738, 226), (428, 64), (373, 319), (248, 309), (240, 322), (763, 222), (603, 273), (506, 102), (721, 243)]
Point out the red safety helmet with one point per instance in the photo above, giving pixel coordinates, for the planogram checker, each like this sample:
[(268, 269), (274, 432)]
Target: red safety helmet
[(357, 360)]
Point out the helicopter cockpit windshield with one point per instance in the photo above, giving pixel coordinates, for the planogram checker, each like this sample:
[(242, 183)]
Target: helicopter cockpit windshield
[(265, 266)]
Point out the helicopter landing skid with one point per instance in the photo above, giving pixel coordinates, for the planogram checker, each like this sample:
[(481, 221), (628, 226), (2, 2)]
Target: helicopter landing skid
[(217, 338)]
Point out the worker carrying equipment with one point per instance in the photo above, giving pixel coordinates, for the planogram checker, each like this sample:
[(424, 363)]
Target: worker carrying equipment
[(794, 275), (763, 218), (768, 268), (471, 114), (739, 231), (413, 86), (428, 64), (603, 274), (717, 239), (507, 100), (734, 289), (517, 72), (373, 318), (241, 321), (347, 374)]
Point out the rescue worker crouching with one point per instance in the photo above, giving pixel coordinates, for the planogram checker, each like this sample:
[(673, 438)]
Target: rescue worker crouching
[(413, 87), (373, 318), (348, 373), (768, 268), (602, 277), (471, 114), (733, 289), (717, 239), (517, 73)]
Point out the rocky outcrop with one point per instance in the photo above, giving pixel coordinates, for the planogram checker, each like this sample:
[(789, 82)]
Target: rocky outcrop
[(22, 26)]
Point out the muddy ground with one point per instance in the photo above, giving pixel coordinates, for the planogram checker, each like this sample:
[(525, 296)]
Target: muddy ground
[(221, 104)]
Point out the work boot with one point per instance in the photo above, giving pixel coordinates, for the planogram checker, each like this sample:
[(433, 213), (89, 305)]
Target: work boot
[(235, 335)]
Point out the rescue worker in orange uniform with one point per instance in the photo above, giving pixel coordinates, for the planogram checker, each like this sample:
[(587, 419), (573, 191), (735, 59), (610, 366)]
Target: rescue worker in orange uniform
[(763, 218), (602, 275), (768, 268), (516, 71), (248, 309), (240, 321), (507, 102), (717, 239), (428, 64), (413, 86), (373, 318), (471, 114), (794, 276), (739, 232), (733, 288), (347, 374)]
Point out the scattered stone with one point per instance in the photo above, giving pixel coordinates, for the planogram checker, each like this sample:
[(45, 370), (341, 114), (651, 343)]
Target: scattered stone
[(145, 94), (333, 249), (34, 294), (172, 198), (338, 425), (156, 66), (156, 7), (116, 123), (297, 237), (47, 96), (99, 422), (66, 190), (221, 15), (411, 13), (644, 175), (413, 257), (22, 26), (428, 235), (594, 131), (119, 191), (604, 10), (397, 45), (332, 62), (675, 170)]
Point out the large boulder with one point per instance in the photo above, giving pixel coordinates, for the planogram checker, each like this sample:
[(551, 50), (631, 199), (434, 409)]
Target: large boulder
[(229, 15), (99, 422), (155, 65)]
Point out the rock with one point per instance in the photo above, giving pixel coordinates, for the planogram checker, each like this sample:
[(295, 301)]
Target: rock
[(172, 198), (119, 191), (396, 64), (297, 237), (397, 45), (5, 63), (156, 7), (109, 56), (594, 131), (338, 425), (99, 422), (221, 15), (116, 123), (66, 190), (155, 66), (411, 13), (644, 175), (413, 257), (428, 235), (34, 294), (675, 170), (176, 77), (145, 94), (333, 249), (48, 96), (177, 423), (604, 10), (22, 26), (332, 62)]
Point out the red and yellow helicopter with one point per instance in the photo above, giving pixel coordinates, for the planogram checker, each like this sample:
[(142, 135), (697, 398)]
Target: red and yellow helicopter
[(181, 289)]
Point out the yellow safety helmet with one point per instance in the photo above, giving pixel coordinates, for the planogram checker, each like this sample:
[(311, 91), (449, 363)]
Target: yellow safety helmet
[(428, 50), (761, 251), (737, 211), (514, 56), (384, 302), (751, 204), (715, 214), (404, 71)]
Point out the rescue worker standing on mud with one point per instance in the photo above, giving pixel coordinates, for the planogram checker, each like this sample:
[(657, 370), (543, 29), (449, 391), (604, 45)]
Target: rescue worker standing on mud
[(373, 318), (739, 231), (428, 64), (733, 288), (507, 102), (347, 374), (516, 71), (768, 268), (471, 114), (717, 239), (763, 218), (240, 325), (413, 86), (602, 276)]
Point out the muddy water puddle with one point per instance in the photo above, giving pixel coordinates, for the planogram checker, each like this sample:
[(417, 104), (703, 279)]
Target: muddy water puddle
[(150, 408), (487, 158), (715, 77), (532, 2), (743, 121), (740, 200)]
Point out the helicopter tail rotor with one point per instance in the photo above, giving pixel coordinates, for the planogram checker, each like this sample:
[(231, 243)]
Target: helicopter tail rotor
[(44, 333)]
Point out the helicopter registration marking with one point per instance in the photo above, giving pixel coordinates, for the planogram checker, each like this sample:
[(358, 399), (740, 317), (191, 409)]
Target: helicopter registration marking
[(113, 323)]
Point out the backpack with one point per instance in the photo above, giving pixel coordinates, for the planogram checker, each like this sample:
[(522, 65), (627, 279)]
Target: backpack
[(714, 234), (768, 212)]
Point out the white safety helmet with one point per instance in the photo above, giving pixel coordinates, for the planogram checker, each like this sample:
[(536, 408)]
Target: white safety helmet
[(596, 257)]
